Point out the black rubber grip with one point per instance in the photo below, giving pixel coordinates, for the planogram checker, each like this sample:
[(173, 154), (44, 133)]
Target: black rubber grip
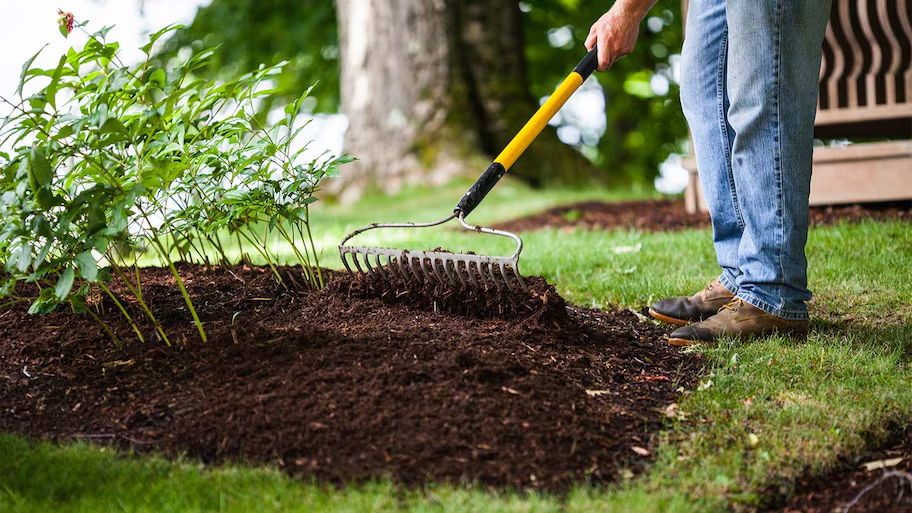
[(588, 64), (480, 189)]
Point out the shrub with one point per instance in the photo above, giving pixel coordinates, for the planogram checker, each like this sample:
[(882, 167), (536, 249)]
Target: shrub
[(113, 163)]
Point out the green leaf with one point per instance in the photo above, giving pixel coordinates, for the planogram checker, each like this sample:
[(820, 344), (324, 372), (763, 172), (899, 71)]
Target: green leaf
[(25, 258), (147, 48), (157, 78), (78, 303), (42, 255), (88, 267), (45, 197), (235, 196), (103, 32), (40, 171), (51, 91), (65, 285), (46, 303), (113, 126), (64, 132), (25, 69)]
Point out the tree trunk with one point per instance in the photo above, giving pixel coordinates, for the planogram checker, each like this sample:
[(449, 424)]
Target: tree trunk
[(435, 88)]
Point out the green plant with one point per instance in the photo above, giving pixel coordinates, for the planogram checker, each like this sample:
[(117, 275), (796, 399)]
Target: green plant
[(111, 163)]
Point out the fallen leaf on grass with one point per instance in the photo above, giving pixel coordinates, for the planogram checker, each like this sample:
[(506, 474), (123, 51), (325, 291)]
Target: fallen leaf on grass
[(874, 465), (619, 250)]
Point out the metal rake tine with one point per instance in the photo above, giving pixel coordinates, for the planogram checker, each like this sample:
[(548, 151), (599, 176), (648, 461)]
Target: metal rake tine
[(380, 266), (493, 276), (482, 271), (403, 272), (411, 263), (472, 275), (391, 265), (505, 277), (458, 269), (370, 268), (357, 263), (522, 284), (437, 271), (446, 268), (422, 263), (390, 269), (455, 265), (345, 261)]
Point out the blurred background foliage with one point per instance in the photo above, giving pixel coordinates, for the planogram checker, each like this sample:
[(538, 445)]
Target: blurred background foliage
[(254, 32), (643, 123)]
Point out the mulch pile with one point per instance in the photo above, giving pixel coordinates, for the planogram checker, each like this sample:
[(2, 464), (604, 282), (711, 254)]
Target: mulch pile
[(340, 387), (670, 215)]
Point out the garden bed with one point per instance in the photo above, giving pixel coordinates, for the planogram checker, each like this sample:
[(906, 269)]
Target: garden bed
[(343, 388)]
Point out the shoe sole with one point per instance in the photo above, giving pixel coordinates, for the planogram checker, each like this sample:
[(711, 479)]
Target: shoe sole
[(668, 320), (681, 342)]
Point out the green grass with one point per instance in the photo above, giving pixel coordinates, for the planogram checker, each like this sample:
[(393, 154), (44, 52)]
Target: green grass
[(764, 413)]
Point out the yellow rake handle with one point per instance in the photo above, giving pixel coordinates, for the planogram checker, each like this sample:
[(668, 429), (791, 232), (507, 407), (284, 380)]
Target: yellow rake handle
[(527, 134)]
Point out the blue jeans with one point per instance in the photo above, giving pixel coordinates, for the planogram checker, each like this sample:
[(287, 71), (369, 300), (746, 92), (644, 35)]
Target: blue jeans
[(749, 92)]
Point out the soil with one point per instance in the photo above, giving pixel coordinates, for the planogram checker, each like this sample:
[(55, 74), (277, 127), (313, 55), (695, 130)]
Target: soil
[(670, 215), (341, 387), (854, 488)]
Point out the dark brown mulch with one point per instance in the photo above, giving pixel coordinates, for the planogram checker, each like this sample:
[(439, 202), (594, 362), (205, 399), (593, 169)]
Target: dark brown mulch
[(341, 388), (670, 215), (887, 488)]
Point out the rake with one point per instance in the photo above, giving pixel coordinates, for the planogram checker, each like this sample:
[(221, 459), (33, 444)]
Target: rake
[(458, 269)]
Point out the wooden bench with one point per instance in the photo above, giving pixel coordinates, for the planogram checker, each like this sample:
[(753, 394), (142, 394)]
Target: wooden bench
[(865, 95)]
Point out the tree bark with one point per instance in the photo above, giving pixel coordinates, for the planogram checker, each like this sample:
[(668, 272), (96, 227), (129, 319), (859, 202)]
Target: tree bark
[(435, 88)]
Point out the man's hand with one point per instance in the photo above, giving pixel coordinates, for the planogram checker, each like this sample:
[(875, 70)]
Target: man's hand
[(615, 33)]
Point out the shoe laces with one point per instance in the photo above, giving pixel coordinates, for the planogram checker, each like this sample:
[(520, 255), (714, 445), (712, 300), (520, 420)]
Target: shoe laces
[(733, 305)]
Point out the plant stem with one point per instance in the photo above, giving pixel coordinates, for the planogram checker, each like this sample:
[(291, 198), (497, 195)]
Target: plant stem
[(107, 329), (137, 292), (313, 246), (123, 311), (183, 289), (302, 258), (180, 283), (20, 300), (263, 252)]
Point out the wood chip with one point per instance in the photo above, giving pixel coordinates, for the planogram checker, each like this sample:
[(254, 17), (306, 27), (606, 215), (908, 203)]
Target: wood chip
[(640, 451), (878, 464)]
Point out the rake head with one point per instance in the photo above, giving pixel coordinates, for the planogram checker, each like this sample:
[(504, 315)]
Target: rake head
[(444, 267)]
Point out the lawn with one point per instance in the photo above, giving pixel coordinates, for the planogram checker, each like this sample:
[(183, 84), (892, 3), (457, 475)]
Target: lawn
[(763, 414)]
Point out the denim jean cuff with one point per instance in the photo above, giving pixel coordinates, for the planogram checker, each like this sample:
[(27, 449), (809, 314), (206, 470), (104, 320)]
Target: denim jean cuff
[(791, 315), (729, 281)]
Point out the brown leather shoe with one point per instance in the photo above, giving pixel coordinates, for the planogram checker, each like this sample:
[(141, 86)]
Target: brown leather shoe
[(741, 320), (684, 310)]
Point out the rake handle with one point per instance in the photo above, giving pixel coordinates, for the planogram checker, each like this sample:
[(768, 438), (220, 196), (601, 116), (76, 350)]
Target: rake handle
[(527, 134)]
